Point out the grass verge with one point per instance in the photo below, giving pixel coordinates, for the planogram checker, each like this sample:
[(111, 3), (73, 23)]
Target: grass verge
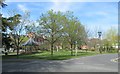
[(61, 55)]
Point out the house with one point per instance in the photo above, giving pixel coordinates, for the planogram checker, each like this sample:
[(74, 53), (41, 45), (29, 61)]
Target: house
[(38, 38), (84, 47), (93, 43)]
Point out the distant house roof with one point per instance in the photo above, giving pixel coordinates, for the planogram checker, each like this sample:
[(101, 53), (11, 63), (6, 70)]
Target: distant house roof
[(31, 35), (30, 42)]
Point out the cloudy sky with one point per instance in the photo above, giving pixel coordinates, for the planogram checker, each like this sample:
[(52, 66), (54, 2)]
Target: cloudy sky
[(96, 16)]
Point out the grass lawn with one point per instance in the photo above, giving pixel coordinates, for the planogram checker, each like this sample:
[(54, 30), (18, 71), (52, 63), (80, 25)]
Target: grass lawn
[(61, 55)]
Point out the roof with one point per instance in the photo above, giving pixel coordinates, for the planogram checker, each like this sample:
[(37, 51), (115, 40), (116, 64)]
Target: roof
[(30, 42)]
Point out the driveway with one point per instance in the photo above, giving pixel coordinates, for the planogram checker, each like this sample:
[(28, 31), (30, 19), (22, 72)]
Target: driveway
[(97, 63)]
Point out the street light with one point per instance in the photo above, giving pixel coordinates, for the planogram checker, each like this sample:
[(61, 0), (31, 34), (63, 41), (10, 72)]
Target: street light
[(99, 34)]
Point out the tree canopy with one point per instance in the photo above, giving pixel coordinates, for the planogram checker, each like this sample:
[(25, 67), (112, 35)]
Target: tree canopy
[(2, 4), (55, 25)]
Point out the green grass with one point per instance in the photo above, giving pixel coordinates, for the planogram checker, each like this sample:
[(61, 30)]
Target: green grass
[(61, 55), (46, 55)]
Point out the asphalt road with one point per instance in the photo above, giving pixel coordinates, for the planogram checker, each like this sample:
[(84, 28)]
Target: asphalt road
[(97, 63)]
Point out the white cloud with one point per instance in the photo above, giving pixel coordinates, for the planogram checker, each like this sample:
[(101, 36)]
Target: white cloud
[(66, 5), (60, 6), (22, 7)]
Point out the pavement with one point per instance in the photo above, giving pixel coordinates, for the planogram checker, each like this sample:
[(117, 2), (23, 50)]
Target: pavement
[(96, 63)]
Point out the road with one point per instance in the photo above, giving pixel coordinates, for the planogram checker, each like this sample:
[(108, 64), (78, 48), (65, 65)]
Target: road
[(97, 63)]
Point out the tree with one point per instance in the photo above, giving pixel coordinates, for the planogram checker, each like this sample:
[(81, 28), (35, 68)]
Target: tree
[(74, 31), (7, 24), (4, 36), (111, 38), (2, 4), (55, 25), (51, 27), (18, 23), (32, 27)]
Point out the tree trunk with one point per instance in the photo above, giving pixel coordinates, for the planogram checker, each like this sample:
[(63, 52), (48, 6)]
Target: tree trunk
[(71, 49), (52, 49), (18, 48), (52, 42), (76, 50), (100, 50), (17, 51)]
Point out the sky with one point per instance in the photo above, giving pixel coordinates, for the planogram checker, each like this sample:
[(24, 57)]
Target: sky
[(95, 16)]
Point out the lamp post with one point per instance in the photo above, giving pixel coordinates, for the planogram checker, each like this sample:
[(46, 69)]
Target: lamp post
[(99, 36)]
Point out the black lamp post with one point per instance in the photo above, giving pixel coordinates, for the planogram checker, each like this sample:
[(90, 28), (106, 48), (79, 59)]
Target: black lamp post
[(99, 34)]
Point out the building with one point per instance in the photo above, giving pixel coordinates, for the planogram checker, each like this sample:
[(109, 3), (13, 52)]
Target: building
[(93, 42), (38, 38)]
